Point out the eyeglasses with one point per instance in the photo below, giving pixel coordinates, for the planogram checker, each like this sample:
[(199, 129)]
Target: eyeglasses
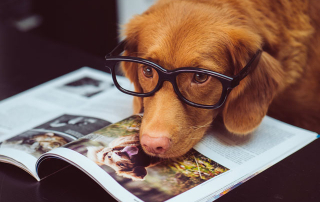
[(195, 86)]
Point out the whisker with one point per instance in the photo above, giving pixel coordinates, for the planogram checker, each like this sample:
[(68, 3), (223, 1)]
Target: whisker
[(199, 127), (198, 166)]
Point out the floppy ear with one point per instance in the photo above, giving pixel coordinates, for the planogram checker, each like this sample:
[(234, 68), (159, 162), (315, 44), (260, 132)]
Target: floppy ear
[(138, 173), (131, 73), (131, 49), (248, 103)]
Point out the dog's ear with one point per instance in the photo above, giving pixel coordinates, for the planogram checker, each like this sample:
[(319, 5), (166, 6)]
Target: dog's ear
[(131, 49), (248, 103), (131, 73), (137, 173)]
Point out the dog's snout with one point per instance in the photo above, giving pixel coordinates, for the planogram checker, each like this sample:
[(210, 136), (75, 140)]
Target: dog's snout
[(155, 145)]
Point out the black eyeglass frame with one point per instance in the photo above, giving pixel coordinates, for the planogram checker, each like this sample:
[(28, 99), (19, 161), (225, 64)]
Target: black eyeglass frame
[(228, 82)]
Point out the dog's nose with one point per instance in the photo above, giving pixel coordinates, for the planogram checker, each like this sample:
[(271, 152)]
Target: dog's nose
[(155, 145)]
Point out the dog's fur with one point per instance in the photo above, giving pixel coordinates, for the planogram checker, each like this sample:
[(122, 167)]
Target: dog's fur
[(133, 167), (222, 35)]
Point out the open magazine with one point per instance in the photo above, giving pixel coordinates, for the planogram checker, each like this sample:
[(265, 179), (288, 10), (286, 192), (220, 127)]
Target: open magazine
[(81, 119)]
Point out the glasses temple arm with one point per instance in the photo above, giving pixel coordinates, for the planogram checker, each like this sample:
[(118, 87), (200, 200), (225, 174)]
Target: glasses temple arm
[(252, 64), (118, 49)]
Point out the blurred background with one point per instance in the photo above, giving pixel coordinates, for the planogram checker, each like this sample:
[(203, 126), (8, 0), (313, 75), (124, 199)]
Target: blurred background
[(88, 25), (43, 39)]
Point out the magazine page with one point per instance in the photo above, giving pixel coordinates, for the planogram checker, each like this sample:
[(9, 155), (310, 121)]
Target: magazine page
[(26, 147), (58, 112), (113, 157), (86, 89), (247, 156)]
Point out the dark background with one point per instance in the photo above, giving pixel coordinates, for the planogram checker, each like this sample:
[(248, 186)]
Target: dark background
[(88, 25), (71, 34), (75, 33)]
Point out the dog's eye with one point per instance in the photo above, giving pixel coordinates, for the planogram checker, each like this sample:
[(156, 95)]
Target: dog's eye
[(56, 144), (147, 71), (200, 78), (121, 164), (109, 157)]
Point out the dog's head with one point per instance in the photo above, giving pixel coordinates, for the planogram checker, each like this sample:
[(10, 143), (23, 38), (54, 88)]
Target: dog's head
[(48, 141), (129, 161), (195, 34)]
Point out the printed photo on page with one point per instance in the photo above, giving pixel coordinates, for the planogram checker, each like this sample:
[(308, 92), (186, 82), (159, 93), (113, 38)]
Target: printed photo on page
[(117, 150), (54, 133), (86, 87)]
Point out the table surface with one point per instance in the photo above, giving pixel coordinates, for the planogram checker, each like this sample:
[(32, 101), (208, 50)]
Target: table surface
[(27, 60)]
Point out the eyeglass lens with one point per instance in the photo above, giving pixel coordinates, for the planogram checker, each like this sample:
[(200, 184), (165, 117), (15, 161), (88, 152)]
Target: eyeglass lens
[(196, 87), (147, 76)]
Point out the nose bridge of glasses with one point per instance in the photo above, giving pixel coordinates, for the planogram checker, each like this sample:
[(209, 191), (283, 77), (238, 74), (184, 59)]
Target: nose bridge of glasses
[(166, 77), (164, 85)]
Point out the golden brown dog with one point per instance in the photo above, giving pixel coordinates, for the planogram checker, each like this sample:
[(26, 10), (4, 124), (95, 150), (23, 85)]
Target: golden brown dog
[(222, 35)]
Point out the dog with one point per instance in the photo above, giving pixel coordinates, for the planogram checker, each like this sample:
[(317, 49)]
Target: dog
[(125, 156), (222, 36), (37, 143)]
